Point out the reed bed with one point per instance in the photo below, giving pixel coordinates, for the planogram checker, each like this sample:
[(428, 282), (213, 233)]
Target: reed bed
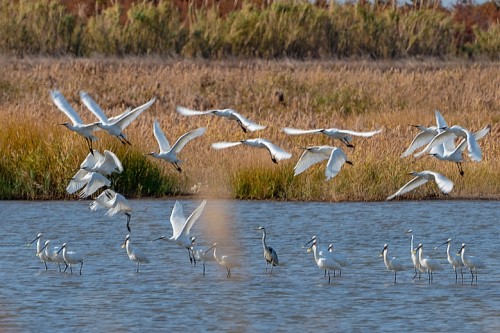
[(38, 158), (248, 29)]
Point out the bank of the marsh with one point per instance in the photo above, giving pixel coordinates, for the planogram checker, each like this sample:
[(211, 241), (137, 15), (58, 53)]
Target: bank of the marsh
[(38, 158)]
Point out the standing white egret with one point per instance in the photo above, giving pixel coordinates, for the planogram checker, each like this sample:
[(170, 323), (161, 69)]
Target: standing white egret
[(414, 258), (168, 153), (312, 155), (325, 260), (201, 254), (225, 260), (430, 265), (182, 226), (104, 164), (70, 258), (134, 254), (393, 264), (455, 262), (114, 202), (245, 124), (340, 258), (444, 184), (50, 255), (39, 249), (320, 250), (472, 263), (115, 125), (277, 154), (343, 135), (77, 125), (270, 254)]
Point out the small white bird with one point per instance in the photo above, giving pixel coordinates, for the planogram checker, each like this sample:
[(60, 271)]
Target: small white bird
[(245, 124), (455, 262), (414, 258), (277, 154), (182, 226), (343, 135), (39, 249), (104, 164), (134, 254), (450, 133), (393, 264), (225, 260), (430, 265), (77, 125), (270, 254), (90, 181), (312, 155), (50, 255), (456, 154), (444, 184), (168, 153), (70, 258), (114, 202), (324, 260), (426, 135), (472, 263), (340, 258), (115, 125), (201, 254)]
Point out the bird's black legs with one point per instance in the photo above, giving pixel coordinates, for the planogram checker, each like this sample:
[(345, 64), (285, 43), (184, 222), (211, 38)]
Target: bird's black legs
[(177, 167), (460, 168), (81, 266), (128, 221), (89, 144), (228, 272)]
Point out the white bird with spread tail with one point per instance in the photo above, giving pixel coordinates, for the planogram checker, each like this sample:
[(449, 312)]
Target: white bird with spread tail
[(277, 154), (245, 124), (168, 153)]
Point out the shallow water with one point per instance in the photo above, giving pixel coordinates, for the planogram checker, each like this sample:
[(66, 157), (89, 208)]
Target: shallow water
[(170, 294)]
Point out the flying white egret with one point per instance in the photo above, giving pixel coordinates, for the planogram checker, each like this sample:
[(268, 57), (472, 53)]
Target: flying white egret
[(245, 124), (343, 135), (277, 154), (182, 226), (114, 202), (91, 182), (324, 260), (168, 153), (77, 125), (426, 135), (414, 258), (226, 261), (70, 258), (312, 155), (430, 265), (450, 133), (340, 258), (39, 249), (472, 263), (134, 254), (444, 184), (455, 262), (115, 125), (456, 154), (103, 164), (393, 264), (201, 254), (270, 254)]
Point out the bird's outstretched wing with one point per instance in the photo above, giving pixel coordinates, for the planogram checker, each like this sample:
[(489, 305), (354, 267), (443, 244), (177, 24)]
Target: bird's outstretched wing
[(247, 124), (335, 162), (276, 151), (125, 120), (195, 215), (118, 204), (93, 107), (296, 131), (185, 138), (77, 182), (436, 141), (362, 134), (444, 184), (309, 157), (160, 138), (63, 105), (111, 163), (188, 112), (177, 219), (94, 182), (91, 160), (223, 145), (420, 140), (411, 185)]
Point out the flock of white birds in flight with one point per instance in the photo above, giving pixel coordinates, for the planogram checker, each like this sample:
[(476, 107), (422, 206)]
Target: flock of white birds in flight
[(439, 141)]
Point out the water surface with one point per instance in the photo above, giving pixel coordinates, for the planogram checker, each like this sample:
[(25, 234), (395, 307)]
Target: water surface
[(170, 294)]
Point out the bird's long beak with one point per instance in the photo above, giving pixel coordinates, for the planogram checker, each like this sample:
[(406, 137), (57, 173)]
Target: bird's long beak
[(210, 248), (62, 247), (437, 247), (154, 240), (312, 239), (41, 250), (34, 240)]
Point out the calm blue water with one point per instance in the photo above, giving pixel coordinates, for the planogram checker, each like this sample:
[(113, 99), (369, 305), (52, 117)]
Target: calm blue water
[(169, 294)]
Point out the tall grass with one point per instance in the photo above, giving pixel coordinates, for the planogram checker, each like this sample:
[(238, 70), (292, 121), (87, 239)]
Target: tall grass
[(291, 29), (38, 158)]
